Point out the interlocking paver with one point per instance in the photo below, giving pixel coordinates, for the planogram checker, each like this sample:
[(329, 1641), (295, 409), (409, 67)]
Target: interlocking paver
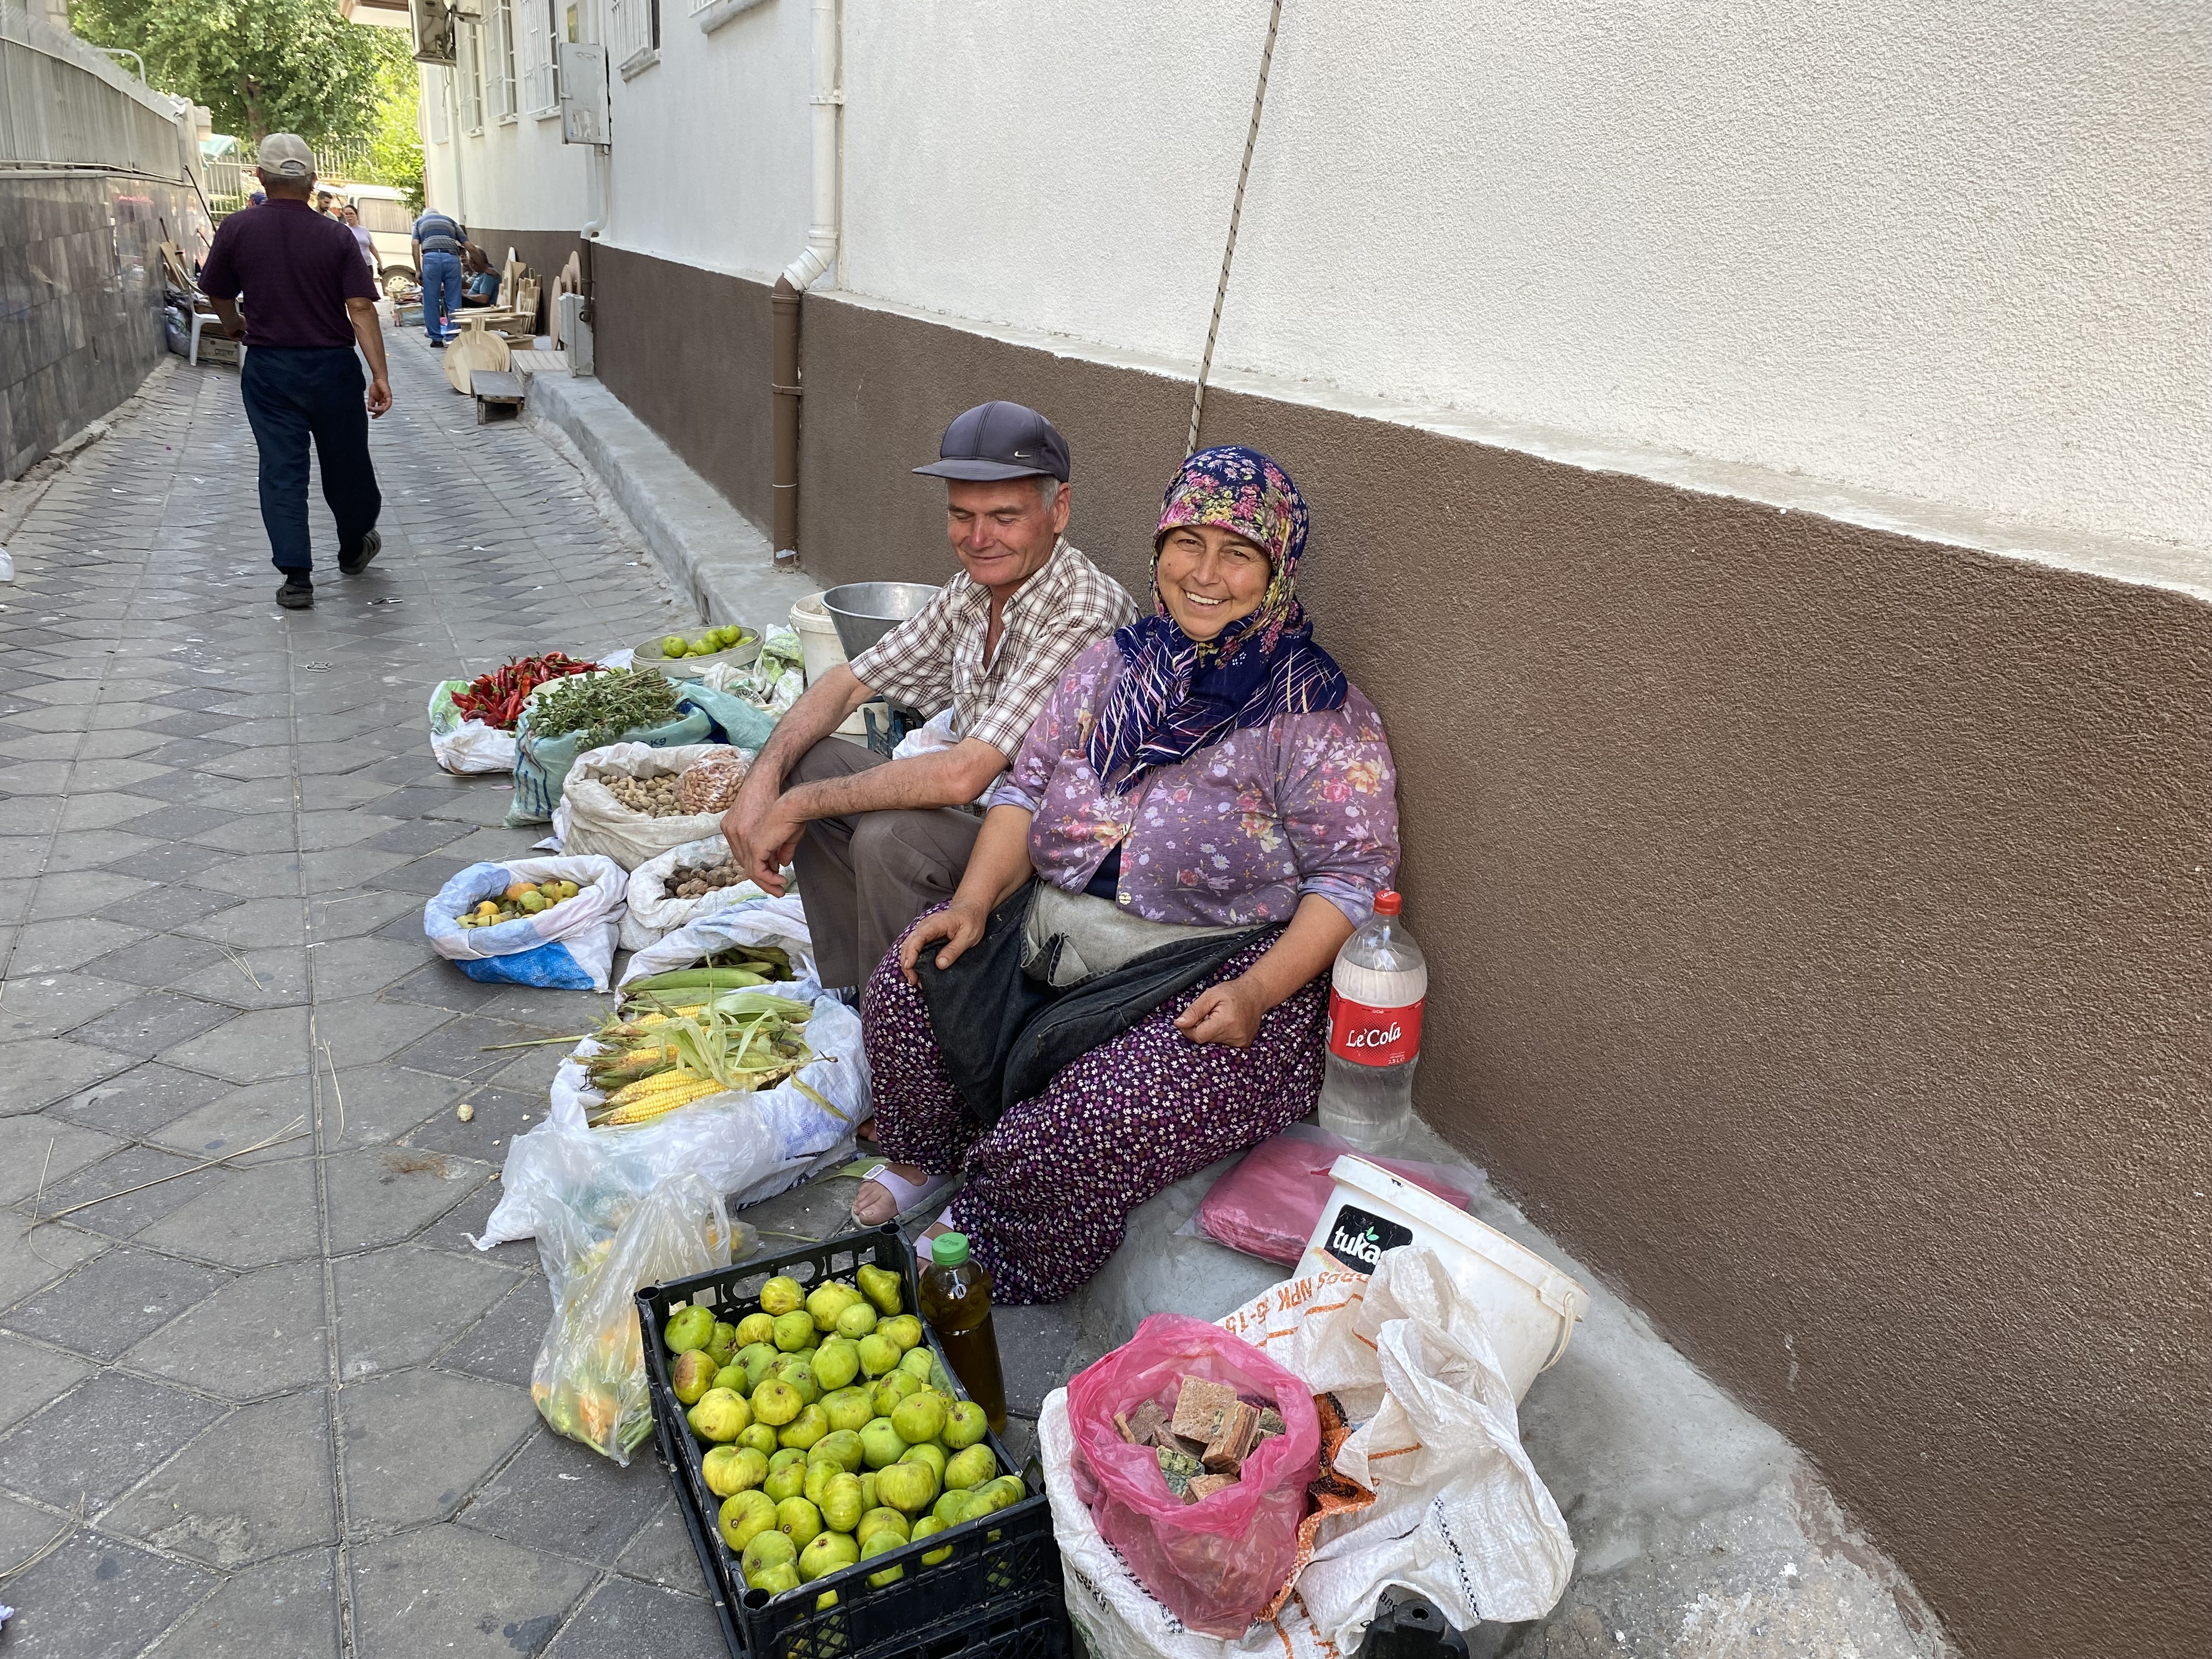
[(218, 825)]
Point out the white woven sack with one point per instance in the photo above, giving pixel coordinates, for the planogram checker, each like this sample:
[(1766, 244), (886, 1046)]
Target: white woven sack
[(653, 915), (589, 820), (1461, 1516)]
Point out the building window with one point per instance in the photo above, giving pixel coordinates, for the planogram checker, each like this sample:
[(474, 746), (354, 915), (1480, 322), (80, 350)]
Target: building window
[(636, 31), (471, 70), (541, 91), (433, 101), (498, 74)]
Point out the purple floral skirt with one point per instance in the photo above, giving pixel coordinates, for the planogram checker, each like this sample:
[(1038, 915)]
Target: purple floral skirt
[(1051, 1185)]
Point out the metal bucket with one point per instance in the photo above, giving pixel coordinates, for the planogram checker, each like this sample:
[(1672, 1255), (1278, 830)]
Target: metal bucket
[(866, 611)]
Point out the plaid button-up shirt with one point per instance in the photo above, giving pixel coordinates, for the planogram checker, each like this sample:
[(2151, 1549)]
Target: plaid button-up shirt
[(934, 660)]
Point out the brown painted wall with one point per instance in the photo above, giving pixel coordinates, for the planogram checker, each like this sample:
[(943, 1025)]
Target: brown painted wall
[(688, 350), (1819, 921)]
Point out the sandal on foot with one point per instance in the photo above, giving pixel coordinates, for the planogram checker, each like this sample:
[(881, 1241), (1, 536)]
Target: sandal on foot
[(911, 1196)]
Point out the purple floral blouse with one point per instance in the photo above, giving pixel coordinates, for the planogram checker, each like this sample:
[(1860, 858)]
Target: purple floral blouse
[(1238, 833)]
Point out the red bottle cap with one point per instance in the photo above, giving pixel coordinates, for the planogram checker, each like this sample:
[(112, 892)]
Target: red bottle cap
[(1387, 903)]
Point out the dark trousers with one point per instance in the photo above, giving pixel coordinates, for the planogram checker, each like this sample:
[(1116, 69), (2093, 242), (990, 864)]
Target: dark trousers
[(292, 396), (864, 878)]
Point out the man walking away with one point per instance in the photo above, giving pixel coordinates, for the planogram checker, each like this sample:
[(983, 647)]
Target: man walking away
[(313, 300), (439, 241)]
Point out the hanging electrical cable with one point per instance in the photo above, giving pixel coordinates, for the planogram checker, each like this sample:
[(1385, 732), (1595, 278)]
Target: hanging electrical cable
[(1236, 213)]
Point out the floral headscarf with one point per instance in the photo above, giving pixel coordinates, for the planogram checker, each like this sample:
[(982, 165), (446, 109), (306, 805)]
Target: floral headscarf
[(1175, 694)]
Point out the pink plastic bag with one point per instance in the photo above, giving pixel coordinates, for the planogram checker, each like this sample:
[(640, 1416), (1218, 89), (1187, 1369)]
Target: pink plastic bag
[(1270, 1203), (1216, 1564)]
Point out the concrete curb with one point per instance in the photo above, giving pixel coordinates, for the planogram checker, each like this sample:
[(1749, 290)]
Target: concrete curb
[(708, 549)]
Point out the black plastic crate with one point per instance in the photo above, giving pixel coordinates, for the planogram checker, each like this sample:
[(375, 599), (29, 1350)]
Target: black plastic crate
[(999, 1596)]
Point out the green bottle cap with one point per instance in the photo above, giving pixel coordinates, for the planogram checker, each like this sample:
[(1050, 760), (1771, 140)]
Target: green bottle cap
[(949, 1250)]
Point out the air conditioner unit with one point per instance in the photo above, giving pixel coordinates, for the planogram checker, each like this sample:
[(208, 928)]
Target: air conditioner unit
[(584, 95), (433, 26)]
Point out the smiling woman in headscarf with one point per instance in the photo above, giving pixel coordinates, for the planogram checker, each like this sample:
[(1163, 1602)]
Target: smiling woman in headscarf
[(1130, 982)]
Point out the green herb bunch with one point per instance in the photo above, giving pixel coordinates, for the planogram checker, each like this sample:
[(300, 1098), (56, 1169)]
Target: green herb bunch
[(603, 706)]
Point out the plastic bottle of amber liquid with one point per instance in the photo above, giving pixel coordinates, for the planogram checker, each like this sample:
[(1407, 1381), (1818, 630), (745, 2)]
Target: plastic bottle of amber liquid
[(956, 1300)]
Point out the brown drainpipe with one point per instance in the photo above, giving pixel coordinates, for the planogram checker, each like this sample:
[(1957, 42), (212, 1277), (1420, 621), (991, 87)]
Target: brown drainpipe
[(783, 383)]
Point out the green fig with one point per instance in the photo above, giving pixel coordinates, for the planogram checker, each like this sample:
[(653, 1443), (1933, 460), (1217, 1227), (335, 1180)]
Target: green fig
[(857, 1320), (756, 1328), (878, 1545), (780, 1295), (689, 1330), (952, 1507), (757, 1360), (848, 1408), (720, 1416), (733, 1377), (761, 1438), (775, 1581), (827, 1301), (881, 1443), (794, 1331), (965, 1424), (769, 1548), (839, 1446), (919, 1417), (905, 1330), (722, 1344), (786, 1480), (909, 1488), (922, 1528), (729, 1470), (799, 1372), (745, 1516), (971, 1467), (799, 1520), (817, 1481), (882, 1287), (890, 1391), (868, 1488), (836, 1363), (1003, 1493), (878, 1353), (881, 1520), (776, 1402), (691, 1375), (806, 1428), (843, 1503), (825, 1553)]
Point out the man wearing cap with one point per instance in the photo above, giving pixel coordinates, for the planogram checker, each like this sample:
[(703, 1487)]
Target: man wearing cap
[(311, 301), (877, 842)]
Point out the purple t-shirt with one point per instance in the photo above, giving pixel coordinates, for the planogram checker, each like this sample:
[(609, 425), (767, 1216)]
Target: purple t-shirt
[(296, 269), (1236, 834)]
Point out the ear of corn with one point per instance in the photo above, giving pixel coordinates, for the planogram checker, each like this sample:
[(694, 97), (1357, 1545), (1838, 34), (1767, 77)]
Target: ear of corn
[(643, 1102)]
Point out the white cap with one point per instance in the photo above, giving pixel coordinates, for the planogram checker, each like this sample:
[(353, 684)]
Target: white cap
[(285, 156)]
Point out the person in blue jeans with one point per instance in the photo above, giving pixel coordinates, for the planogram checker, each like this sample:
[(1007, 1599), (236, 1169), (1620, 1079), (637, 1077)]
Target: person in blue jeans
[(439, 243), (310, 301)]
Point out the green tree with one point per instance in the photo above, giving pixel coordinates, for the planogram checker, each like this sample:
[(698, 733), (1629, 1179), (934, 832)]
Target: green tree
[(260, 66), (395, 142)]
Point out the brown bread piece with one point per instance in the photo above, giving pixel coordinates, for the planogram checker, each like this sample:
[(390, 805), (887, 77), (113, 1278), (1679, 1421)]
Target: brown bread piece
[(1205, 1486)]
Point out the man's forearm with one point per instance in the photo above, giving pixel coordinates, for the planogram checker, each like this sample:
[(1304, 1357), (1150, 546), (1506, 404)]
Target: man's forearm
[(370, 332), (820, 710), (945, 778), (226, 312)]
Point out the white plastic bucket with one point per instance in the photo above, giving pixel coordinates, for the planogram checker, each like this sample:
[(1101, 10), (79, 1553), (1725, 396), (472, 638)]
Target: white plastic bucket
[(1531, 1307), (817, 638)]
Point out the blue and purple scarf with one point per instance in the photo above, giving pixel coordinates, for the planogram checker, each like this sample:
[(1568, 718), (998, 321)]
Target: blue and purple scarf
[(1176, 696)]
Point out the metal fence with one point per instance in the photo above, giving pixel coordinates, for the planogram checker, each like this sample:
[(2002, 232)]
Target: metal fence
[(229, 167), (65, 105)]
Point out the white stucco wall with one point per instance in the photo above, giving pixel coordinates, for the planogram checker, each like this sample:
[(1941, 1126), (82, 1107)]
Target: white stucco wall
[(1959, 255), (514, 175)]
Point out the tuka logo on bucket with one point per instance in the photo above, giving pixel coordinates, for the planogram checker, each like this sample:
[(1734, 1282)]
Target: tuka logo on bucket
[(1357, 1239), (1373, 1036)]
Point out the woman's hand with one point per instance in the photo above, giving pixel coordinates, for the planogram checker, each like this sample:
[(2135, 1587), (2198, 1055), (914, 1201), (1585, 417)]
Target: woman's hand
[(1227, 1013), (959, 924)]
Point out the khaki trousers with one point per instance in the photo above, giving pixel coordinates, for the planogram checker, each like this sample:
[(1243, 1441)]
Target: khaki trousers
[(862, 878)]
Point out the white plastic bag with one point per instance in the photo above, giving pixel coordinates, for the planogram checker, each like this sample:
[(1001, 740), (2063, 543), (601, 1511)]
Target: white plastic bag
[(465, 746), (570, 945), (778, 921), (589, 820), (589, 1379), (651, 914), (749, 1146), (1459, 1515)]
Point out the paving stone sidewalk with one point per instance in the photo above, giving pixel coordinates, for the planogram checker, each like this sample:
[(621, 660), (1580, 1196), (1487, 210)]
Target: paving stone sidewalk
[(277, 1404)]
